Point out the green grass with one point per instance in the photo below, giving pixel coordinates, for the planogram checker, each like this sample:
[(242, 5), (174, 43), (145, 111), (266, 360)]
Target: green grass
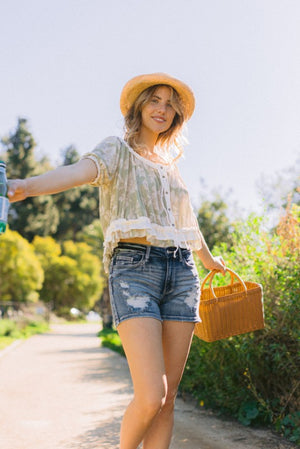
[(11, 330), (6, 341), (110, 339)]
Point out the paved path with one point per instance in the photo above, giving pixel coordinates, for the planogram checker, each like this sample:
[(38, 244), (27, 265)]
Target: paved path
[(60, 390)]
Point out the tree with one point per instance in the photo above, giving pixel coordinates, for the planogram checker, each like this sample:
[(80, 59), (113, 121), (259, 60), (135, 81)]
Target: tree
[(93, 235), (21, 274), (213, 221), (71, 274), (34, 216)]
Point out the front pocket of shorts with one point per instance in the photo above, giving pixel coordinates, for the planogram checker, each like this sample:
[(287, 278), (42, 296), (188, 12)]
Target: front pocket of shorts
[(189, 260), (128, 260)]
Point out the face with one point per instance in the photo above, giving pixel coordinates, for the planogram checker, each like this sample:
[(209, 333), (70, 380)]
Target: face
[(158, 113)]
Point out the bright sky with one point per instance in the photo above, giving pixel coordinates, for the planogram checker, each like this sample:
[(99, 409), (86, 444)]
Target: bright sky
[(64, 63)]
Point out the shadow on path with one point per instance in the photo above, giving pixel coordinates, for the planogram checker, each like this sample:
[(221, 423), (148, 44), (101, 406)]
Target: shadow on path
[(105, 435)]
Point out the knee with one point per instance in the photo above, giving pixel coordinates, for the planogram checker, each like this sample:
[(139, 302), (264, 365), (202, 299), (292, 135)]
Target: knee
[(169, 401), (151, 404)]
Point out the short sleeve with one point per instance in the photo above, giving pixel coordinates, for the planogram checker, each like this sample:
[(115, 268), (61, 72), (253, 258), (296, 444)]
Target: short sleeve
[(105, 156)]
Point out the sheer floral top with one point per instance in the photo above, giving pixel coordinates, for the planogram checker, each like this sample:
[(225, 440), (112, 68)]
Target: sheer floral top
[(140, 198)]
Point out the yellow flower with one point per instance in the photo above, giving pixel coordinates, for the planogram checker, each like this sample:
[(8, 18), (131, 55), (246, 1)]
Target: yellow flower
[(201, 403)]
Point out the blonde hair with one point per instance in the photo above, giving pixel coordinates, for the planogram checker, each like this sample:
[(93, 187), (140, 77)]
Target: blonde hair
[(171, 139)]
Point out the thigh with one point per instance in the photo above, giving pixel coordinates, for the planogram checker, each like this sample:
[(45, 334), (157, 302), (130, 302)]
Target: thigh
[(142, 342), (177, 337)]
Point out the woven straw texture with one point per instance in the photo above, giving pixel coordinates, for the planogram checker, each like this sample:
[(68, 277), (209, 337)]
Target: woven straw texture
[(229, 310)]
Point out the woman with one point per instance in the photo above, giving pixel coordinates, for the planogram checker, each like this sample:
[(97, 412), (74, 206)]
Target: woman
[(150, 231)]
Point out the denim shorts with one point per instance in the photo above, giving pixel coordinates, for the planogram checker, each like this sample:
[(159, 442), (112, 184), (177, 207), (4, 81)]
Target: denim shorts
[(155, 282)]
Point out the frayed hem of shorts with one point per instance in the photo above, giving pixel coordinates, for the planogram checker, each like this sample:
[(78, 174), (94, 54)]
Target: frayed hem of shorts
[(182, 319), (130, 317)]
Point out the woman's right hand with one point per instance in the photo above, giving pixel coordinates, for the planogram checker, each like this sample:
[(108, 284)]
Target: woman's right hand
[(16, 190)]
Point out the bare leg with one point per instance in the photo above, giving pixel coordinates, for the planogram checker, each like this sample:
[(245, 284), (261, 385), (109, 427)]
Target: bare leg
[(142, 342), (177, 338)]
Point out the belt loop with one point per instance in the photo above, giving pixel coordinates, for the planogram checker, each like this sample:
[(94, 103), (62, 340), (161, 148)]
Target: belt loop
[(180, 254), (147, 253)]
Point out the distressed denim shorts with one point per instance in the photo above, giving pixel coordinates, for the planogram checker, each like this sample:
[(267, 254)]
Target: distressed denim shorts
[(155, 282)]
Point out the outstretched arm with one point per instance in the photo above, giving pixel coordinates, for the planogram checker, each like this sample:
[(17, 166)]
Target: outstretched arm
[(55, 181)]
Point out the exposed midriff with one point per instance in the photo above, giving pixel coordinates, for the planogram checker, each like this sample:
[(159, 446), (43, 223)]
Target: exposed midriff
[(138, 240)]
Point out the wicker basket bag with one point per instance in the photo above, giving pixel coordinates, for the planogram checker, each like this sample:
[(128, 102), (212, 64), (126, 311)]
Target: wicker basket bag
[(229, 310)]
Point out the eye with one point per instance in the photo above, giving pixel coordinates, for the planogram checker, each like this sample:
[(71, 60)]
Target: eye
[(154, 100)]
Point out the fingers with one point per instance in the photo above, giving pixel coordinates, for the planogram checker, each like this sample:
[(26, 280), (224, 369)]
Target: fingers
[(11, 189), (221, 260), (222, 265), (16, 191)]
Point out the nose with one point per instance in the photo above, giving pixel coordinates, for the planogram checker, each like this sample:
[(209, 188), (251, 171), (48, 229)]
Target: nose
[(162, 108)]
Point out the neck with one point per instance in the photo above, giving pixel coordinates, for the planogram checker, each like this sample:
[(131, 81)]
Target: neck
[(147, 139)]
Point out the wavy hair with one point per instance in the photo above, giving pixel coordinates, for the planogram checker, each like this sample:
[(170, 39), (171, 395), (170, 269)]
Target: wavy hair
[(171, 138)]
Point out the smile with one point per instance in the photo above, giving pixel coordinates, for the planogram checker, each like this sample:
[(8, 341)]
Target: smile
[(159, 119)]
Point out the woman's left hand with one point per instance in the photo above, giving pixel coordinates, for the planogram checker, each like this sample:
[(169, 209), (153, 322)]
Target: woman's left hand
[(216, 263), (209, 261)]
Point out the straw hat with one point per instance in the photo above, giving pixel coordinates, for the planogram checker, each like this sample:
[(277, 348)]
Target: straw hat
[(136, 85)]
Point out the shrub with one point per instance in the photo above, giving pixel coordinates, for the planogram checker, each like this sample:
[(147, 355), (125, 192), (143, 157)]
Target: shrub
[(110, 339), (21, 273), (11, 330), (72, 274), (255, 377)]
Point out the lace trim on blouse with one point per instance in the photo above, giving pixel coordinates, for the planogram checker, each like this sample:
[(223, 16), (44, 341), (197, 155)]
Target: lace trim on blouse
[(155, 234)]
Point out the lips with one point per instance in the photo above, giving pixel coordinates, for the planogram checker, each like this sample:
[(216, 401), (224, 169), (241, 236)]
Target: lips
[(159, 119)]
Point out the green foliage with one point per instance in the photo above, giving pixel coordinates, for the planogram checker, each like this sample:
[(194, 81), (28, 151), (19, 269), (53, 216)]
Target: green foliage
[(72, 274), (90, 267), (34, 216), (7, 328), (6, 341), (248, 412), (66, 276), (92, 234), (289, 426), (21, 273), (214, 222), (110, 339), (255, 376), (11, 330)]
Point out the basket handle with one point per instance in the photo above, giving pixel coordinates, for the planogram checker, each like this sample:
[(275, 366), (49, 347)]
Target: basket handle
[(211, 275)]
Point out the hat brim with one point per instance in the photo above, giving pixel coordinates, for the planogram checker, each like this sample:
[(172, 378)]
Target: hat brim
[(135, 86)]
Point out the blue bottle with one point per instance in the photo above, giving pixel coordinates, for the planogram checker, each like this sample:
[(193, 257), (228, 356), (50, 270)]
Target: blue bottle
[(4, 202)]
